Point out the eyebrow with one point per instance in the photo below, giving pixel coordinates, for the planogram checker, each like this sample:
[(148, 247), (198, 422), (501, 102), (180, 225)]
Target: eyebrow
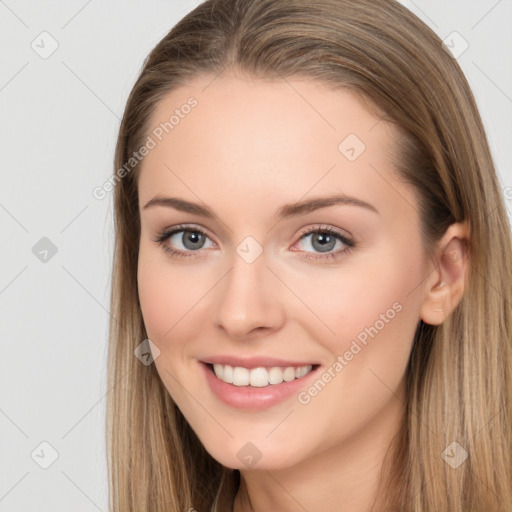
[(286, 211)]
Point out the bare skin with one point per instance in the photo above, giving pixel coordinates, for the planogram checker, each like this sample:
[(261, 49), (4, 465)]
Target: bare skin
[(249, 147)]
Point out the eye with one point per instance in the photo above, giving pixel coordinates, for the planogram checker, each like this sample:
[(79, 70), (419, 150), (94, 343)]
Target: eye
[(324, 240), (182, 241), (185, 241)]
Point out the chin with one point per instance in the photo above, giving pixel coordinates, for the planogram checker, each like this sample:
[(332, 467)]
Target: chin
[(247, 456)]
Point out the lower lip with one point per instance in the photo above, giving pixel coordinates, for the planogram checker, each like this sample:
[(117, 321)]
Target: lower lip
[(253, 398)]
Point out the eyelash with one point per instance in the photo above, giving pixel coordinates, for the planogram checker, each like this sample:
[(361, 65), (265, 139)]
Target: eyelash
[(167, 233)]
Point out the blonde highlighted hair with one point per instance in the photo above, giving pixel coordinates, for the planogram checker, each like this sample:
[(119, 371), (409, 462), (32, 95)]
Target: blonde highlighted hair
[(459, 373)]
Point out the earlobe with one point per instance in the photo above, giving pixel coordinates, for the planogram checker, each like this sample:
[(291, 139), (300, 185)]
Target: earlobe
[(445, 287)]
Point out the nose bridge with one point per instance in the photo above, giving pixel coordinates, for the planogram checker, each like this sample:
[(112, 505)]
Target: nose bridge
[(248, 298)]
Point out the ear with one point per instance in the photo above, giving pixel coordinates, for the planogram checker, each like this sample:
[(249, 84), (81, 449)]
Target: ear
[(445, 285)]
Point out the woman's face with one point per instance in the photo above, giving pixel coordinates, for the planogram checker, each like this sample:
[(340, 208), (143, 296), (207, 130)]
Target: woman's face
[(243, 173)]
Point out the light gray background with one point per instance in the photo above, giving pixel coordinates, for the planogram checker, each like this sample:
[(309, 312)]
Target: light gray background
[(58, 121)]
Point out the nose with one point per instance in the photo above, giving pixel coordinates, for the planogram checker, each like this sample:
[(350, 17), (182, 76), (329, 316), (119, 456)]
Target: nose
[(248, 300)]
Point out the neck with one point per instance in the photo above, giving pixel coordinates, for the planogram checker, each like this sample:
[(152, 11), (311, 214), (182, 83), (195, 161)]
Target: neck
[(347, 477)]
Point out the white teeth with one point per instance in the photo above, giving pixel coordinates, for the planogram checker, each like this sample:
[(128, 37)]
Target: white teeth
[(289, 374), (259, 377), (275, 375), (227, 374), (240, 376), (301, 371), (219, 370)]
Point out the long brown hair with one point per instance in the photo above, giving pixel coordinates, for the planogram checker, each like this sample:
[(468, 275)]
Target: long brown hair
[(459, 373)]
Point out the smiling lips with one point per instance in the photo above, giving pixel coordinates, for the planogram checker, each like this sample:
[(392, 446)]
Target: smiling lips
[(260, 376), (256, 383)]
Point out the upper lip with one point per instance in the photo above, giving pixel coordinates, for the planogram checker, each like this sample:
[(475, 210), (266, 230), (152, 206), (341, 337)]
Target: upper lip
[(254, 362)]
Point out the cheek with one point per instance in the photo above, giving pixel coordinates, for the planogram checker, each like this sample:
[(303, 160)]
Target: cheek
[(166, 293), (364, 297), (379, 318), (174, 304), (374, 317), (167, 296), (154, 296), (371, 308)]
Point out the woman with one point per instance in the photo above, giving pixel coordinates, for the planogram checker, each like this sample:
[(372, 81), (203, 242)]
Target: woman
[(312, 267)]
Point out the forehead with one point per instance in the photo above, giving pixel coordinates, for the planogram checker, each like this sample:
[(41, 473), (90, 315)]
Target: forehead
[(263, 138)]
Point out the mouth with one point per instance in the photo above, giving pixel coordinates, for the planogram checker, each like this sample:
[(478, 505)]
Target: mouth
[(257, 383), (259, 377)]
